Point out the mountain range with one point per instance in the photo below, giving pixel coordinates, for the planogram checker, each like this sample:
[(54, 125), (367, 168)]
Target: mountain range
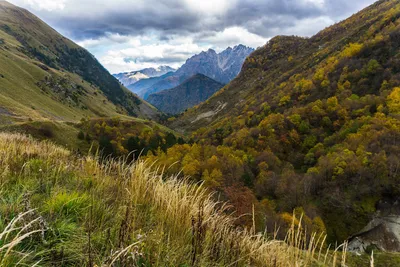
[(129, 78), (222, 67)]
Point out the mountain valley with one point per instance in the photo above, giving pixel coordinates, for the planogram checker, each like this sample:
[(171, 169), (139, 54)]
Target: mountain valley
[(284, 155), (191, 92)]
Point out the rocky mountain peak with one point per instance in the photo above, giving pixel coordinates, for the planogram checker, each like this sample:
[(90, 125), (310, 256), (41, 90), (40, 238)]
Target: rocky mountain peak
[(130, 78)]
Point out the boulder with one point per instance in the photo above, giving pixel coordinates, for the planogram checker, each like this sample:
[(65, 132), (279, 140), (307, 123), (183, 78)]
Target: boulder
[(381, 233)]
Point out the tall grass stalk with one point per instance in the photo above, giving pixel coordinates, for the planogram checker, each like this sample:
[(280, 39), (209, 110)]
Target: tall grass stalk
[(13, 234), (135, 216)]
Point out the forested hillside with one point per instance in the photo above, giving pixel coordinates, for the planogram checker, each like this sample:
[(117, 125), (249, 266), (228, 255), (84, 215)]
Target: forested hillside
[(310, 124)]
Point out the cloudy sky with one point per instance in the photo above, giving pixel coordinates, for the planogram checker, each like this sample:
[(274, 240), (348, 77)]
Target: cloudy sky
[(132, 34)]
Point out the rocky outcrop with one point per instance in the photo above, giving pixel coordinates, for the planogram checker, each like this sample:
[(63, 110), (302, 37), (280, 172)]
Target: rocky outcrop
[(382, 232)]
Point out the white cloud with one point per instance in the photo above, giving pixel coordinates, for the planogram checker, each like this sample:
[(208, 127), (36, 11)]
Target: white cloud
[(144, 51), (89, 43), (233, 36), (210, 7), (49, 5)]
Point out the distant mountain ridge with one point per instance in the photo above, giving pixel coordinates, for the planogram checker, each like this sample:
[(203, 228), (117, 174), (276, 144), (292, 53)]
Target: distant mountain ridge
[(222, 67), (193, 91), (129, 78)]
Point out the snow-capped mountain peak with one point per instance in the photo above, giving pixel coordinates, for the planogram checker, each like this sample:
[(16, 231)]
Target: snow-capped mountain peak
[(129, 78)]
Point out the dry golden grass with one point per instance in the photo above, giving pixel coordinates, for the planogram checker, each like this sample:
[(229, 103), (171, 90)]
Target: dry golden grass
[(156, 221), (13, 235)]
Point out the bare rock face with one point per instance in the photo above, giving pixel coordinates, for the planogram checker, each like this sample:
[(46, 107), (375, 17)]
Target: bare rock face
[(382, 232), (222, 67)]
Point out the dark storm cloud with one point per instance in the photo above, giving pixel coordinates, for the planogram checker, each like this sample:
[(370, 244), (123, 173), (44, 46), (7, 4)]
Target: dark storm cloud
[(262, 17), (130, 35), (268, 18), (125, 21)]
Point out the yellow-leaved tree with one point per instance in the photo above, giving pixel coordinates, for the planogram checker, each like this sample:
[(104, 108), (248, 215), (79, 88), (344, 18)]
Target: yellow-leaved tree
[(394, 101)]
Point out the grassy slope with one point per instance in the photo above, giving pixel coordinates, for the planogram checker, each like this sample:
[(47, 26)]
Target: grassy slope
[(66, 133), (30, 51), (41, 75), (86, 213), (62, 133), (22, 97)]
